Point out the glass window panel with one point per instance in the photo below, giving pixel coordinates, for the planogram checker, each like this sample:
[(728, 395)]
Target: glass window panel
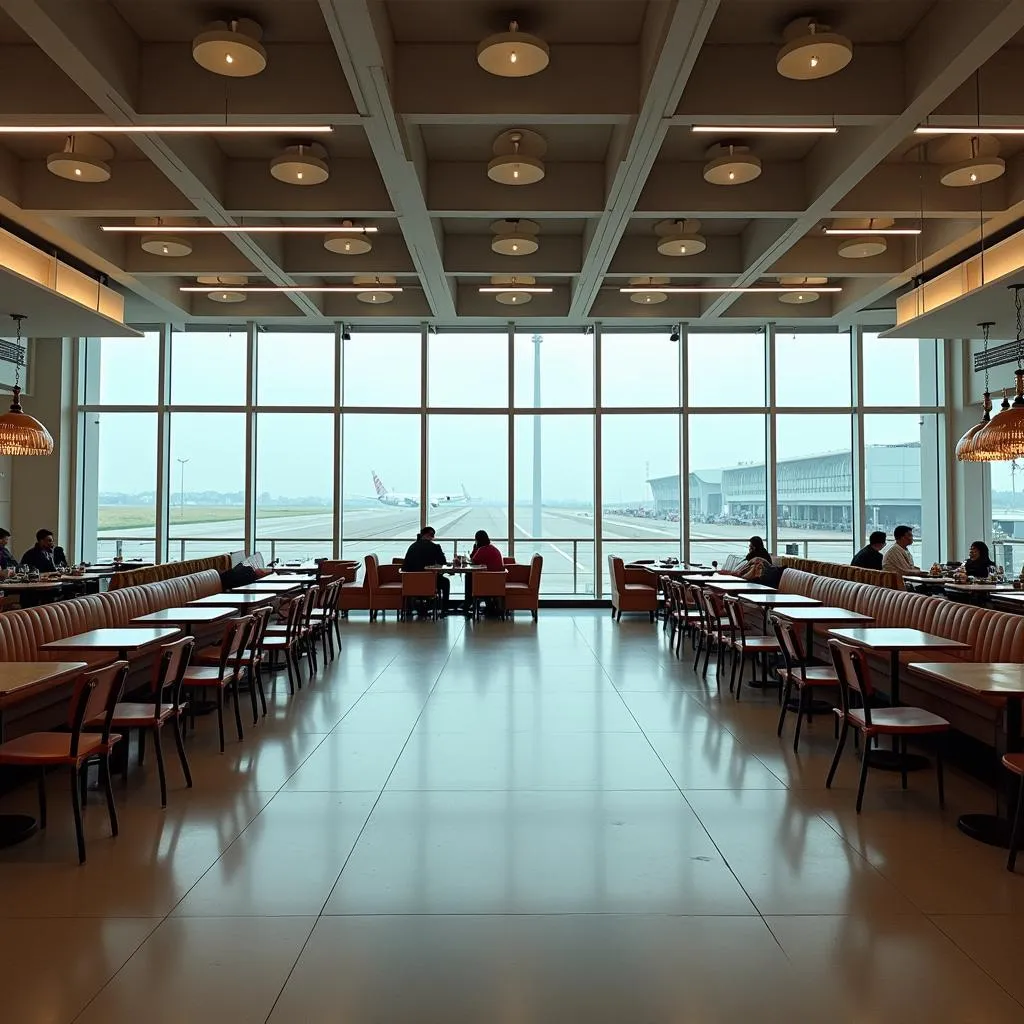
[(639, 370), (381, 369), (728, 492), (812, 369), (295, 484), (468, 370), (814, 486), (900, 371), (566, 370), (208, 367), (380, 484), (119, 487), (295, 368), (207, 483), (1007, 548), (467, 480), (123, 371), (640, 486), (554, 499), (726, 369), (901, 480)]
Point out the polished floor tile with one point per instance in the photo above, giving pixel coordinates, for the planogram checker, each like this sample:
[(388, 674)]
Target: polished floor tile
[(510, 821)]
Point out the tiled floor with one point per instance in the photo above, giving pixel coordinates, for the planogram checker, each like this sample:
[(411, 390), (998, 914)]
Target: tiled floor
[(512, 823)]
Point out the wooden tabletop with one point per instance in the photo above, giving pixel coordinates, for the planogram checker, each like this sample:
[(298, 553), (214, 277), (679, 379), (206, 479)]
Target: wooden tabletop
[(264, 587), (825, 614), (19, 678), (132, 638), (779, 600), (881, 638), (998, 678), (13, 585), (234, 600), (737, 586), (451, 568), (187, 615)]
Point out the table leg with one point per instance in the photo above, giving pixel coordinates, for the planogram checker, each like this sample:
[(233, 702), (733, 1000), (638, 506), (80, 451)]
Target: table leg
[(15, 828), (892, 760), (994, 829)]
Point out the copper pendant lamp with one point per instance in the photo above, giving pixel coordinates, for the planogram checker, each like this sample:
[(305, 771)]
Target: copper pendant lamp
[(21, 434), (1003, 439), (965, 447)]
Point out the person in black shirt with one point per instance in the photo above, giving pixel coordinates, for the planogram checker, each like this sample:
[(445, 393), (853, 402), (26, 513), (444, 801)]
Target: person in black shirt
[(41, 556), (7, 560), (979, 561), (423, 551), (870, 556)]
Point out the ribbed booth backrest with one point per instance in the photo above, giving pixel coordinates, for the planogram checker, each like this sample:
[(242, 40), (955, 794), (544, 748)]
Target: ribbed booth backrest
[(838, 571), (168, 570)]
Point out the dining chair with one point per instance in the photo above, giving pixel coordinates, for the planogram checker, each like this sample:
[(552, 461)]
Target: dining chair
[(419, 587), (745, 648), (856, 694), (325, 616), (95, 696), (286, 642), (489, 587), (797, 674)]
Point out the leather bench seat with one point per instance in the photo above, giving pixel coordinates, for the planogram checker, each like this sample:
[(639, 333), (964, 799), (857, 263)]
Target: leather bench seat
[(168, 570)]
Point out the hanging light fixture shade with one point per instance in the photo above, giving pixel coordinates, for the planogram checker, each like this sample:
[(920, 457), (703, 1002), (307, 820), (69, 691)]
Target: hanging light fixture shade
[(965, 450), (21, 434), (1002, 440), (231, 48), (513, 54), (515, 237), (680, 238), (517, 158)]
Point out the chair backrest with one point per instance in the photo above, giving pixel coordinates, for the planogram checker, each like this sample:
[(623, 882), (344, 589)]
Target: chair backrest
[(692, 598), (735, 616), (372, 574), (332, 569), (536, 565), (616, 572), (489, 584), (398, 561), (260, 622), (851, 665), (508, 561), (789, 643), (236, 632), (713, 611), (169, 670), (419, 584), (95, 697), (330, 597)]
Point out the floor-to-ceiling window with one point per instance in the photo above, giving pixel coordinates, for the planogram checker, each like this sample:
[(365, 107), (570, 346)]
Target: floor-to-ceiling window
[(573, 444)]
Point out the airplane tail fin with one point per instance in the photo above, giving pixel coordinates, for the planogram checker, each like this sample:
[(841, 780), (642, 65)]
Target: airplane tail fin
[(378, 486), (465, 493)]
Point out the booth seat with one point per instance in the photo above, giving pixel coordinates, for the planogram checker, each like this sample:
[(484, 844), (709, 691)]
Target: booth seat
[(384, 586), (990, 635), (632, 589), (522, 586), (838, 571), (167, 571)]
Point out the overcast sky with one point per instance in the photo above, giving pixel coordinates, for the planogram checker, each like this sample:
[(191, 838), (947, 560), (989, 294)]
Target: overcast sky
[(295, 450)]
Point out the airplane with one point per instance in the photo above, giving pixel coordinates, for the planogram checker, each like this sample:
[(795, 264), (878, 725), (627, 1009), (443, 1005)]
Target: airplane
[(386, 497)]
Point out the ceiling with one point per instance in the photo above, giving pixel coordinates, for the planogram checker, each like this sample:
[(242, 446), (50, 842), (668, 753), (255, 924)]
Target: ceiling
[(416, 121)]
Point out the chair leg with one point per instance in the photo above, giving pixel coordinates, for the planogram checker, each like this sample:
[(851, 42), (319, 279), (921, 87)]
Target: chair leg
[(865, 757), (801, 710), (939, 773), (161, 768), (182, 756), (76, 808), (108, 790), (739, 679), (41, 784), (259, 684), (142, 751), (786, 691), (238, 709), (252, 674), (838, 754), (220, 716), (1011, 860)]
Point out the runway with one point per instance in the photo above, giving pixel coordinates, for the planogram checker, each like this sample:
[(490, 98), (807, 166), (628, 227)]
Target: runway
[(567, 543)]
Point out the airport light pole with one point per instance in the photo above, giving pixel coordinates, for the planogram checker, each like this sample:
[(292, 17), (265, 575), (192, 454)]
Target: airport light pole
[(181, 497)]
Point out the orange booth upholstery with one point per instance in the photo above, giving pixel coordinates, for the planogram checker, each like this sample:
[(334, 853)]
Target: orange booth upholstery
[(632, 589), (384, 586), (838, 571), (522, 586), (167, 571)]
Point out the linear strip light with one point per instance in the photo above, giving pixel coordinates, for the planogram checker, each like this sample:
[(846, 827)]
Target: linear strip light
[(715, 290), (292, 288), (501, 289), (872, 231), (978, 129), (756, 129), (237, 229), (166, 129)]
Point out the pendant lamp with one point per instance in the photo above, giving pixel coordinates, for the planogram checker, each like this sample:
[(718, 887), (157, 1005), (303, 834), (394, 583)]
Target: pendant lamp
[(965, 447), (1003, 439), (21, 434)]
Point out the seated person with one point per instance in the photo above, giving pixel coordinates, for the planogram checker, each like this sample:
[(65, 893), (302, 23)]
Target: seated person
[(755, 563), (978, 562), (486, 554), (7, 560), (870, 556), (40, 557), (423, 552), (897, 557)]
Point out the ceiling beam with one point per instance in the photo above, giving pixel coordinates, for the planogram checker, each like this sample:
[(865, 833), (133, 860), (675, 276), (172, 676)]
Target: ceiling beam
[(677, 42), (361, 37), (945, 49)]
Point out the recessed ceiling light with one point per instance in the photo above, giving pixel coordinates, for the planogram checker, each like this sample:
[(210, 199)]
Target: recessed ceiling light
[(84, 158), (517, 159), (515, 237), (762, 129), (231, 49), (811, 50), (302, 164), (513, 54), (729, 164)]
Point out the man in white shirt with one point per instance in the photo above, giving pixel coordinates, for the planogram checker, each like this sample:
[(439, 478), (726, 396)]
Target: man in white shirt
[(897, 557)]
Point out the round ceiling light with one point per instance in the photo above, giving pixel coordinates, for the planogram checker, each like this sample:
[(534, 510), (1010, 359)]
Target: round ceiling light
[(650, 296), (347, 244), (517, 158), (680, 238), (231, 48), (83, 158), (166, 245), (731, 165), (515, 237), (801, 298), (226, 281), (514, 281), (812, 51), (966, 160), (975, 171), (862, 247), (372, 281), (513, 54), (303, 164)]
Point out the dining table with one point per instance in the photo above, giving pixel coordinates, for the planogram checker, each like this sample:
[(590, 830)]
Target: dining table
[(738, 586), (1002, 681), (267, 587), (769, 601), (232, 599), (187, 616), (19, 681), (124, 641)]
